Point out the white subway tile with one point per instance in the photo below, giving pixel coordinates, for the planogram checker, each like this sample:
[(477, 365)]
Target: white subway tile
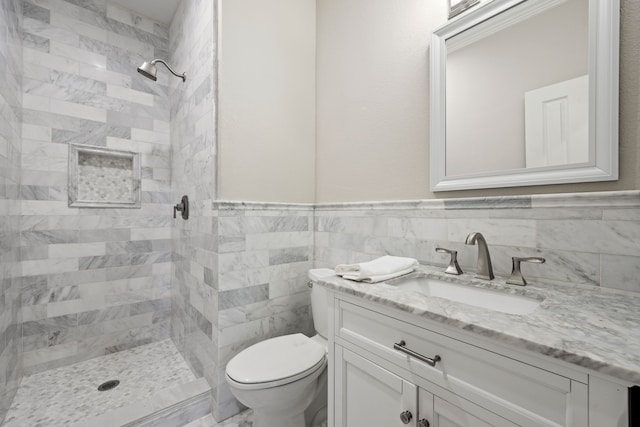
[(68, 250), (63, 21), (54, 62), (78, 110), (152, 233), (150, 136), (130, 95), (35, 132), (35, 102), (78, 54)]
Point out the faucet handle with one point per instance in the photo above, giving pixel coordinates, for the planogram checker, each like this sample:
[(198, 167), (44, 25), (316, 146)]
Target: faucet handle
[(454, 267), (516, 277)]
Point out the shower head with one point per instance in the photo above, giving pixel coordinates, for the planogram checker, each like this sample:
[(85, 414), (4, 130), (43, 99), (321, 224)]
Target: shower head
[(149, 70)]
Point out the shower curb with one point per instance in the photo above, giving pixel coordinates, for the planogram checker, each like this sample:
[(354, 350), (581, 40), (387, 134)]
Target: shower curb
[(175, 406)]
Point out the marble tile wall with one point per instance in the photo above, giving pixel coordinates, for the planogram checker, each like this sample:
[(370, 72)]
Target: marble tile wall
[(194, 303), (264, 253), (96, 281), (10, 152), (240, 269), (587, 238)]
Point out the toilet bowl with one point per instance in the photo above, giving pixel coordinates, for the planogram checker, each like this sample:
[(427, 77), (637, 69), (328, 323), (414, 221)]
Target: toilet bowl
[(278, 378), (283, 379)]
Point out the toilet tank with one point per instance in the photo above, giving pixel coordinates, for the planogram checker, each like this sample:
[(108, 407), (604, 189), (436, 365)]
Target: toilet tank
[(319, 301)]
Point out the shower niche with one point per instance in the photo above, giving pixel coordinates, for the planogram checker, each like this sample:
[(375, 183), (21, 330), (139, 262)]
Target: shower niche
[(103, 178)]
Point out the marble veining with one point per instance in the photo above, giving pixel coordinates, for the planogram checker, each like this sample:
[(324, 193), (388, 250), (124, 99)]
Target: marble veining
[(587, 238), (67, 395), (11, 151), (81, 88), (587, 326)]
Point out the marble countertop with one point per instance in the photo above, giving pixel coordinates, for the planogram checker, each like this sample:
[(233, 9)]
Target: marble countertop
[(595, 328)]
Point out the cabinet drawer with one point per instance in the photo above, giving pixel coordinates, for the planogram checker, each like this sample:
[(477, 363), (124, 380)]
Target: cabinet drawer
[(528, 395)]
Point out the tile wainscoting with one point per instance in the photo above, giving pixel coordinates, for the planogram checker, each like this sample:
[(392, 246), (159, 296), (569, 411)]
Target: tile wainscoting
[(586, 238), (264, 254), (252, 286)]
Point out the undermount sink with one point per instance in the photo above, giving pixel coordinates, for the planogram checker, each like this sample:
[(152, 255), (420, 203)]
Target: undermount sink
[(466, 294)]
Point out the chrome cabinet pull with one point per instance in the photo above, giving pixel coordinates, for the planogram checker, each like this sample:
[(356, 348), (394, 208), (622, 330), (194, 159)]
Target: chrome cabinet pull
[(406, 417), (400, 346)]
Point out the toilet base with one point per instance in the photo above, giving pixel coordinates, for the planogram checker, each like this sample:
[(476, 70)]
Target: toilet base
[(316, 413), (263, 419), (282, 406)]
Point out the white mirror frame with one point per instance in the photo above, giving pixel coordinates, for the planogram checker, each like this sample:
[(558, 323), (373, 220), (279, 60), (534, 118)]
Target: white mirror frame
[(604, 35)]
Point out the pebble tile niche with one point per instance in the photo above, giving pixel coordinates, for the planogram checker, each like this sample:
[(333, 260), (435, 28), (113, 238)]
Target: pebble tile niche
[(103, 178)]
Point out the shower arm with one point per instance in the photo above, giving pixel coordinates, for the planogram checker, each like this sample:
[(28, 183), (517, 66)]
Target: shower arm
[(183, 76)]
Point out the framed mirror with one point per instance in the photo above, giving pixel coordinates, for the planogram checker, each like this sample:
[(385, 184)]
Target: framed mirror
[(456, 7), (525, 92)]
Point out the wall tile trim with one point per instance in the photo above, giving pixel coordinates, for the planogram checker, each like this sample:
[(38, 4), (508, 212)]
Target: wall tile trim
[(610, 199)]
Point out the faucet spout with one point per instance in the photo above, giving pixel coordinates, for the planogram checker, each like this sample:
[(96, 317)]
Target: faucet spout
[(484, 269)]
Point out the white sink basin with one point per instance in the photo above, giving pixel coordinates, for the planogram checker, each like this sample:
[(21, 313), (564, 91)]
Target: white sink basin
[(466, 294)]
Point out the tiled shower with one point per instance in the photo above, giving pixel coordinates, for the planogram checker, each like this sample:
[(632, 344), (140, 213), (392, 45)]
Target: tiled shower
[(82, 279)]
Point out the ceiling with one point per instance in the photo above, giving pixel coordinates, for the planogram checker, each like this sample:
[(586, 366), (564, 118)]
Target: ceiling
[(158, 10)]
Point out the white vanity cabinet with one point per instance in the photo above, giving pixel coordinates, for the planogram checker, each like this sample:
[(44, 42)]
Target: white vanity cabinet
[(374, 396), (476, 383), (371, 394)]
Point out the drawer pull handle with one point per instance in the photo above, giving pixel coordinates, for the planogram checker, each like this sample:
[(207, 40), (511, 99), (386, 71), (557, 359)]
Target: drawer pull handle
[(400, 346)]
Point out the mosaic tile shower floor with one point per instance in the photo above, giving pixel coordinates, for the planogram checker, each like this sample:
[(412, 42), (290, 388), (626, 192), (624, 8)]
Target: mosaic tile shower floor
[(66, 395)]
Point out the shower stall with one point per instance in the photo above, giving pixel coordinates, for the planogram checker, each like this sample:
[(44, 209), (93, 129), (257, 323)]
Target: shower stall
[(125, 284), (115, 309), (90, 290)]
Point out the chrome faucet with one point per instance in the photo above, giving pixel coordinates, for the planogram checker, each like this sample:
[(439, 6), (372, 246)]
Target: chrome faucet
[(484, 270)]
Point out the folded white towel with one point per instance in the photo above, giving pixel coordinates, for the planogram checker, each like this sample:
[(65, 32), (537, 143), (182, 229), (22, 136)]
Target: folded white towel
[(383, 268)]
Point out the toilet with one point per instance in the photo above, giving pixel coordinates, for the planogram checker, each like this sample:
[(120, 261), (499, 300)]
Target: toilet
[(284, 379)]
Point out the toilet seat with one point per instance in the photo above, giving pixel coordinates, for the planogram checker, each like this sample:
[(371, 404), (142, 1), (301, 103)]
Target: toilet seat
[(276, 361)]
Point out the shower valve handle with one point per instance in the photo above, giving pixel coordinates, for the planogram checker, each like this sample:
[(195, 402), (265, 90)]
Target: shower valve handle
[(182, 207)]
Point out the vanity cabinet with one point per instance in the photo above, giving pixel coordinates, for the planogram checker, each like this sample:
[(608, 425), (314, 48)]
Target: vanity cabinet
[(374, 396), (371, 394), (475, 382)]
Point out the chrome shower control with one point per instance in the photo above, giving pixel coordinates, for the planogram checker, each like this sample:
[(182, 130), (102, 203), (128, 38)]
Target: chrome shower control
[(406, 417), (423, 423)]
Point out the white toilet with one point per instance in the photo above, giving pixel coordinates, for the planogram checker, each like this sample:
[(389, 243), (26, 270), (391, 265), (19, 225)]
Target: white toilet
[(284, 379)]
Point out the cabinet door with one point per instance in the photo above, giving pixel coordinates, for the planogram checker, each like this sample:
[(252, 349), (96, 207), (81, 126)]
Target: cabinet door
[(440, 413), (368, 395)]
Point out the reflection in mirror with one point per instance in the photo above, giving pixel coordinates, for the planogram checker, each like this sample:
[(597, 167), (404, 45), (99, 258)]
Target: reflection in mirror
[(513, 73), (513, 85)]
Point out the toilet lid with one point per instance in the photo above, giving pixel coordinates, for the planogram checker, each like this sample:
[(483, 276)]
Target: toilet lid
[(275, 359)]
